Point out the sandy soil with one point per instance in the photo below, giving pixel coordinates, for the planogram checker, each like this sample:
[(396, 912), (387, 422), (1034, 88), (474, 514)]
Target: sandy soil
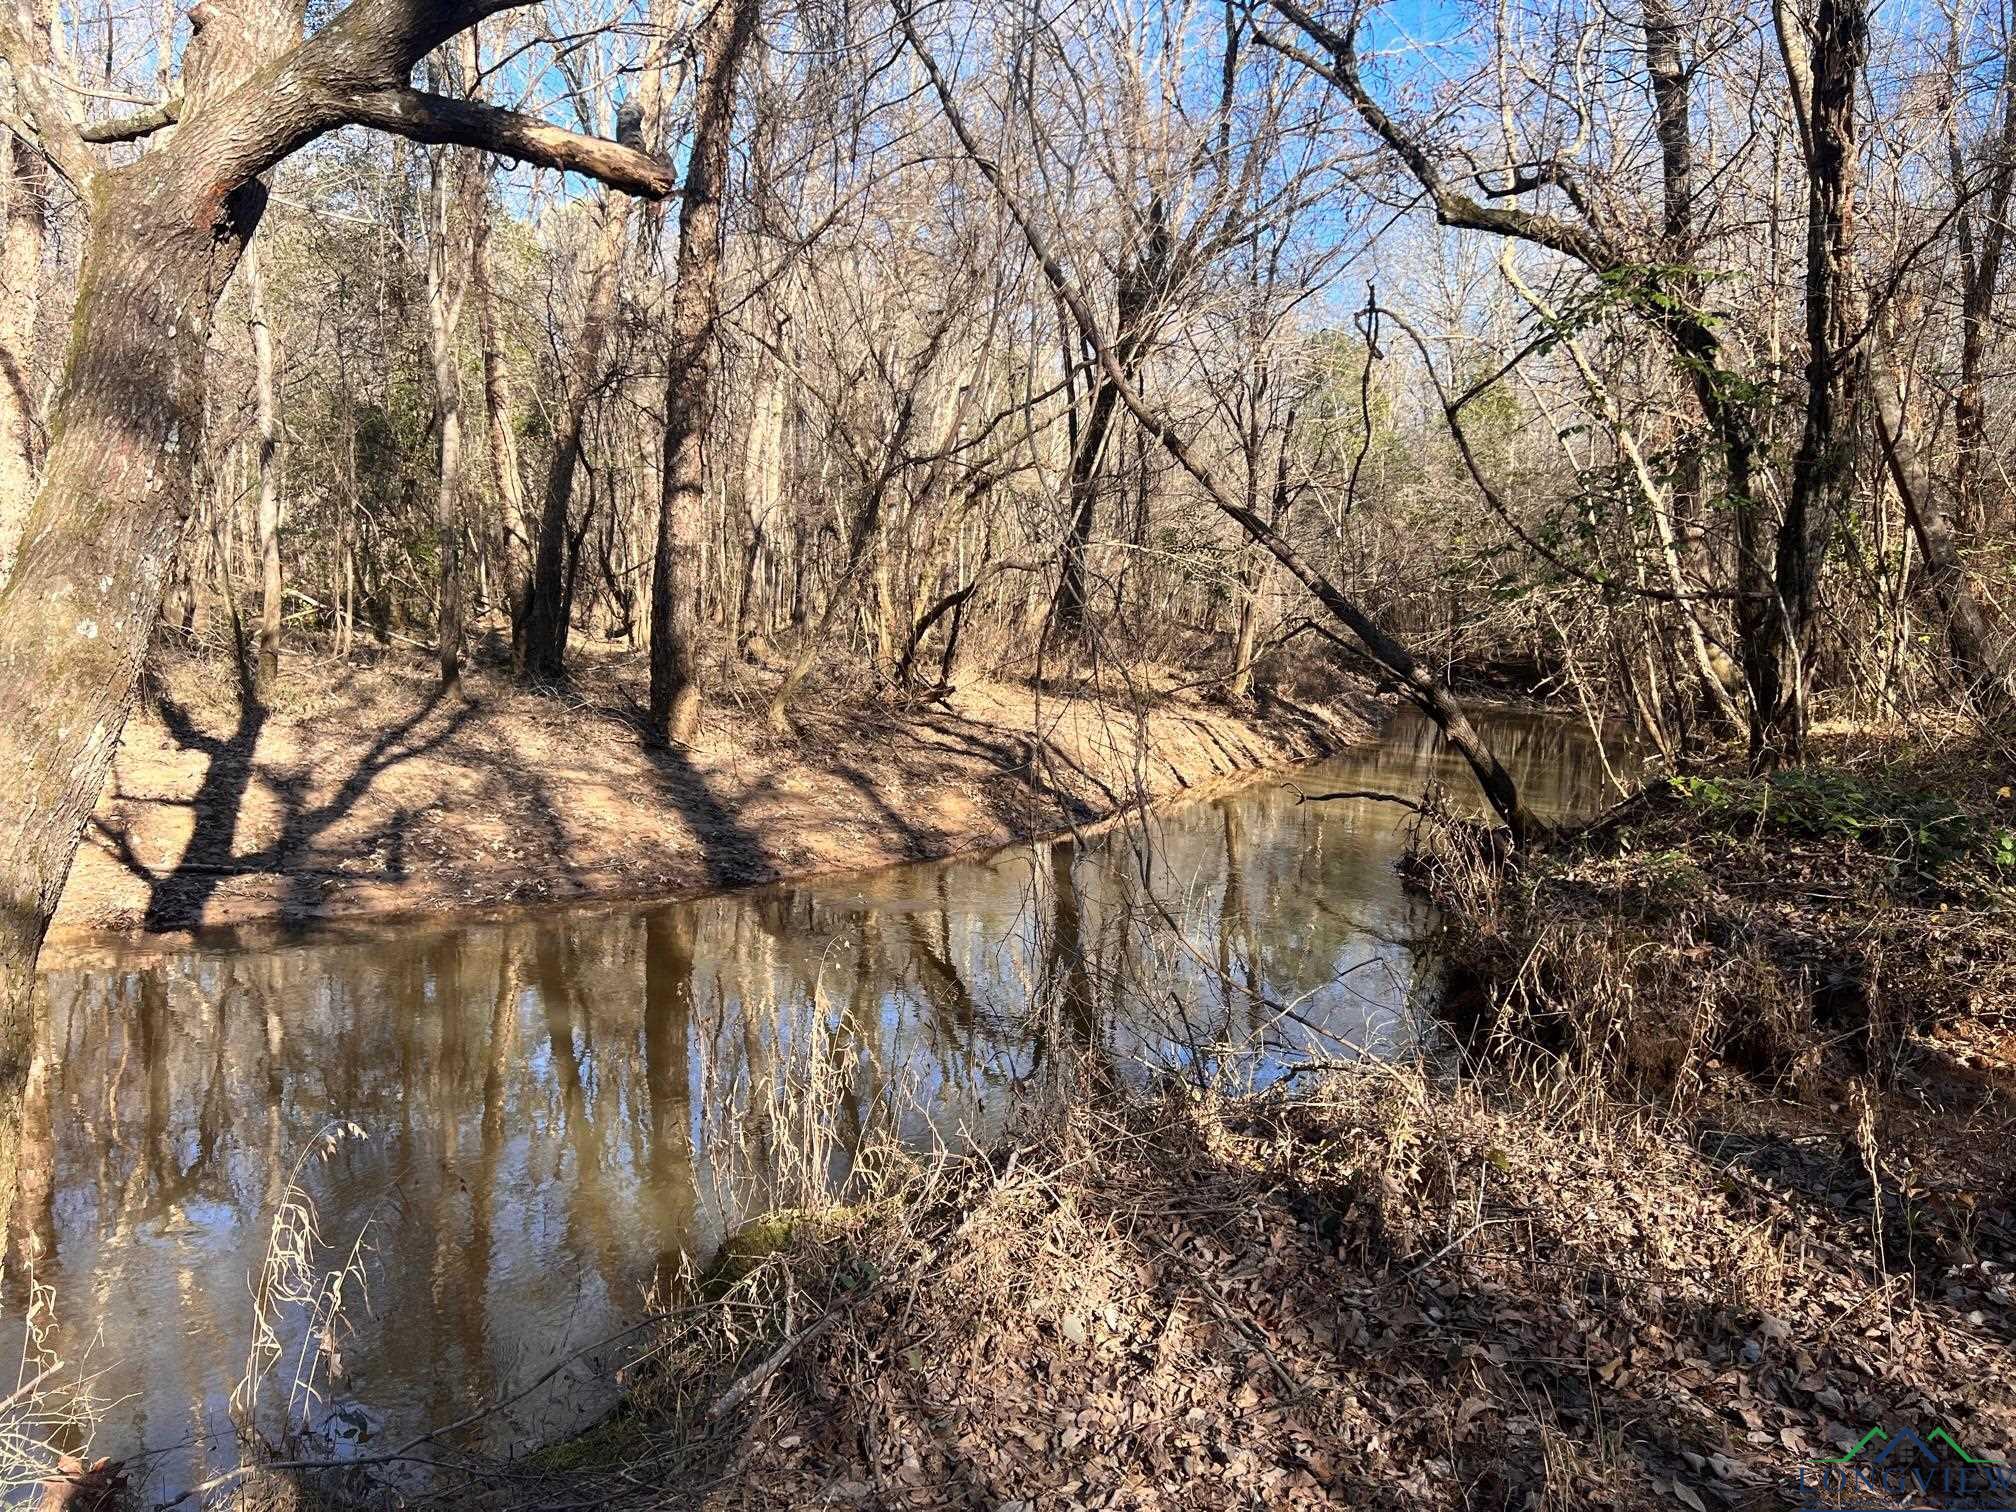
[(370, 792)]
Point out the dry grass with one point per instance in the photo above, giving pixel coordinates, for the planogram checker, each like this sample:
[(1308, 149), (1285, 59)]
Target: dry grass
[(1792, 928), (1378, 1291), (296, 1282)]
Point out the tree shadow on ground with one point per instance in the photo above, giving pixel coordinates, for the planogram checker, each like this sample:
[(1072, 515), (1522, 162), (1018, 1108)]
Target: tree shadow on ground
[(1212, 1318), (179, 896)]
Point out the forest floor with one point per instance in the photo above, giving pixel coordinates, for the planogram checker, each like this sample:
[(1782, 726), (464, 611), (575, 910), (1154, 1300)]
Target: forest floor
[(367, 790), (1715, 1192)]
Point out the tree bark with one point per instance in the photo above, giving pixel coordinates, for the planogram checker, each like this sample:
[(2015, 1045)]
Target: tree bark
[(165, 233), (1824, 76), (674, 712), (266, 675), (25, 183), (1247, 636)]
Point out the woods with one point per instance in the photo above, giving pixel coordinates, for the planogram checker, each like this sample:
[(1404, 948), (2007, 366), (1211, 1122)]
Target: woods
[(905, 332), (474, 453), (1734, 522)]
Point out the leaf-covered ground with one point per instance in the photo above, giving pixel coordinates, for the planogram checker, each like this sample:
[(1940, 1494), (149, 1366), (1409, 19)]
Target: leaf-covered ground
[(1378, 1291)]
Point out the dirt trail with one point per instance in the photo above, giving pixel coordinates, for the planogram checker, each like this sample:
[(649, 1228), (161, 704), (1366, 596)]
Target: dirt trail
[(370, 792)]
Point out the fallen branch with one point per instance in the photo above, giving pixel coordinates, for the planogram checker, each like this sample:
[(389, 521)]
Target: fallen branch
[(1342, 793), (740, 1392)]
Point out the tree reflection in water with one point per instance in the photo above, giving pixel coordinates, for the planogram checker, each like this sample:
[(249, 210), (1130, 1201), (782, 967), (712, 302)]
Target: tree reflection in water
[(558, 1109)]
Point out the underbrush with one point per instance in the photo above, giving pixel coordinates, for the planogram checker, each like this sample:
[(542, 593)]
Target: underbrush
[(1378, 1289), (1792, 927)]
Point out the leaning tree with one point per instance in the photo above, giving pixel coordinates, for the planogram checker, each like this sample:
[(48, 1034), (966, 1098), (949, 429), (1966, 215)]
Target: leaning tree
[(165, 231)]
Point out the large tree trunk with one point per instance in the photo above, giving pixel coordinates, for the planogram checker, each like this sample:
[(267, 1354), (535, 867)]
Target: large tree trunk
[(100, 542), (1824, 75), (101, 539), (1071, 608), (266, 393), (546, 620), (762, 484), (689, 386), (1251, 573), (1140, 281)]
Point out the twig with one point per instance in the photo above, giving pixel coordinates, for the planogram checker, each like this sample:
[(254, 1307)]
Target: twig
[(737, 1394), (1457, 1243), (1302, 797)]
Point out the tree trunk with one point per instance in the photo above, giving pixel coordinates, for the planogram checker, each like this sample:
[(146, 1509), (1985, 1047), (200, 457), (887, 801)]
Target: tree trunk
[(689, 385), (266, 389), (1982, 664), (24, 193), (1141, 278), (504, 461), (762, 471), (1981, 253), (100, 544), (546, 619), (1072, 608), (1824, 83), (1251, 569), (447, 283)]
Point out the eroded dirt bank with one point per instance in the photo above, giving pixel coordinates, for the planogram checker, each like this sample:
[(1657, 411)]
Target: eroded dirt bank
[(372, 792)]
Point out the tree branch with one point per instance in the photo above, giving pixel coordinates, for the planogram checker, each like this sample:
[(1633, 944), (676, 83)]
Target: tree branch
[(467, 123), (1582, 243), (1420, 685), (130, 128), (42, 123)]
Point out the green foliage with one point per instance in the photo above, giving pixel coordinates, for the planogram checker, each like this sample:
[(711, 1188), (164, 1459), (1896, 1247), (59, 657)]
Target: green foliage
[(1339, 403), (1920, 831)]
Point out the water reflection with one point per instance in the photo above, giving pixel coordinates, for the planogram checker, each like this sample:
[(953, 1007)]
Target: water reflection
[(557, 1110)]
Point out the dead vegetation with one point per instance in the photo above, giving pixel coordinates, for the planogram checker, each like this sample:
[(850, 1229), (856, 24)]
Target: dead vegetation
[(1379, 1290), (1786, 926)]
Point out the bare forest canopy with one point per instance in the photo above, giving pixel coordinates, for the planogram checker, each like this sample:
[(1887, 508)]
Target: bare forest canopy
[(1651, 354)]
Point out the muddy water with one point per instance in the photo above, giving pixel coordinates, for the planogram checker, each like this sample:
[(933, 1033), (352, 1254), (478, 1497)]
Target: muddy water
[(551, 1110)]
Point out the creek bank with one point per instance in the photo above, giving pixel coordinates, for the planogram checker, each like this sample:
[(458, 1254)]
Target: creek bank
[(368, 791), (1377, 1289), (1722, 1191), (1813, 923)]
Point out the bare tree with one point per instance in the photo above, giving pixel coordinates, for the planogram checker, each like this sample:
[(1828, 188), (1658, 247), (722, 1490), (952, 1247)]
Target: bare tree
[(723, 41), (165, 232)]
